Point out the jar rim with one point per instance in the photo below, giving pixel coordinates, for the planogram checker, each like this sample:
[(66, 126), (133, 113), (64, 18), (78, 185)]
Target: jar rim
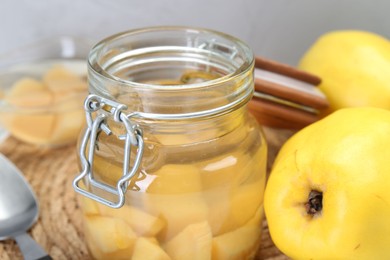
[(96, 67)]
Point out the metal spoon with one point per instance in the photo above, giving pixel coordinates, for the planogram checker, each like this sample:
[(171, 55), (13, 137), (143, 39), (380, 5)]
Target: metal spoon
[(18, 210)]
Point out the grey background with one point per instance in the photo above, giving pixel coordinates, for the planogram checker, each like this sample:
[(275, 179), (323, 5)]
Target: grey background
[(277, 29)]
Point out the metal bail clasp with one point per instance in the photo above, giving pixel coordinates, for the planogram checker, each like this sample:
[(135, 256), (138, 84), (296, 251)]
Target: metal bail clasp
[(133, 137)]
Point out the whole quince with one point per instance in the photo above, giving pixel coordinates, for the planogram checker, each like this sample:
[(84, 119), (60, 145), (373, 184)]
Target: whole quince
[(354, 67), (328, 195)]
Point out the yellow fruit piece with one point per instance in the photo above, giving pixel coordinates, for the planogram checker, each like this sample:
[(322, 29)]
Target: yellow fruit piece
[(61, 80), (46, 112), (107, 169), (193, 242), (176, 179), (246, 199), (344, 157), (26, 85), (141, 222), (354, 67), (177, 211), (33, 127), (233, 205), (41, 99), (98, 254), (108, 172), (58, 73), (219, 209), (153, 240), (227, 170), (69, 102), (68, 126), (175, 195), (242, 204), (110, 234), (30, 128), (88, 206), (241, 243), (29, 93), (144, 249)]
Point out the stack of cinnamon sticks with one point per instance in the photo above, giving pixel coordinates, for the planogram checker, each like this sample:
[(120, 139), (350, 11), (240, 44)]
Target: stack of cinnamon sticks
[(285, 97)]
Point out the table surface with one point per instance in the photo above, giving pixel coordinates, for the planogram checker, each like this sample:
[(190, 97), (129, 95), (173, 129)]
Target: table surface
[(58, 230)]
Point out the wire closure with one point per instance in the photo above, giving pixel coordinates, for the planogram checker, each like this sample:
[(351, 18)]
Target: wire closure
[(133, 137)]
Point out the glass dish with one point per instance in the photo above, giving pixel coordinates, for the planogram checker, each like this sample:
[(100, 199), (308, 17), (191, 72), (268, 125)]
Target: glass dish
[(42, 89)]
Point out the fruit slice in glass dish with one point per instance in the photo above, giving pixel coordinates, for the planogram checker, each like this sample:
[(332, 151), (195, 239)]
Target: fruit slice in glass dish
[(42, 89)]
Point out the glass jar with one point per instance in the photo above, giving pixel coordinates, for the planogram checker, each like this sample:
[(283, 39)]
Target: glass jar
[(172, 160)]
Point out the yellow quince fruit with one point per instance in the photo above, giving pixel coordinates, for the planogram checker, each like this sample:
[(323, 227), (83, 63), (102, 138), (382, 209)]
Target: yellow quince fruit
[(354, 67), (328, 192)]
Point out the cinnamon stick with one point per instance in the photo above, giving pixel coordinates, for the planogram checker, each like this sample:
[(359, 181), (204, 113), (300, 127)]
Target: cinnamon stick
[(294, 95), (291, 115), (286, 70)]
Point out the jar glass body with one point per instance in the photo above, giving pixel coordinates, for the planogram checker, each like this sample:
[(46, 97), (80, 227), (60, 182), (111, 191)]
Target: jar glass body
[(198, 191)]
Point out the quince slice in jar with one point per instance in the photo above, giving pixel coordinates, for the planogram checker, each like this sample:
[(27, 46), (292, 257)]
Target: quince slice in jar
[(88, 206), (175, 195), (241, 243), (246, 200), (107, 171), (225, 170), (173, 179), (231, 208), (109, 237), (177, 211), (141, 222), (146, 249), (193, 242), (237, 196)]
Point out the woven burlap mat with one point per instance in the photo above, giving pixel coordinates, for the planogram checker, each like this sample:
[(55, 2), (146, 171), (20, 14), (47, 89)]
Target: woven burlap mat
[(58, 230)]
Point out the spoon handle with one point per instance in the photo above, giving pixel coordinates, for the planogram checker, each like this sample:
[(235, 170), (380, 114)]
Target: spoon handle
[(30, 249)]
